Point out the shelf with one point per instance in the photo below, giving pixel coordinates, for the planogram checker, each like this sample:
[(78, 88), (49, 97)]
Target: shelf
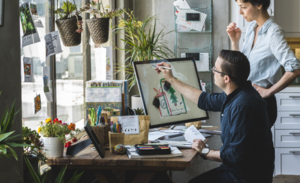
[(194, 32)]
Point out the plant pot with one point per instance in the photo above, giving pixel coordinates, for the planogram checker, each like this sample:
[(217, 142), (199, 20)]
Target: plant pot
[(34, 161), (54, 147), (67, 30), (99, 29)]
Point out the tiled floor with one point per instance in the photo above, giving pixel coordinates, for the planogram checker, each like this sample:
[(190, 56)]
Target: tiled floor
[(286, 179)]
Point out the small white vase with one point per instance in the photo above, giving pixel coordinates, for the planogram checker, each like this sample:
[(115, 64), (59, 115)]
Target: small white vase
[(54, 147)]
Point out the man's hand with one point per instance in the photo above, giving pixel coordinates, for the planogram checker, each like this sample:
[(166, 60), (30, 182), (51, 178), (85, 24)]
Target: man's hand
[(167, 73), (264, 93), (198, 145)]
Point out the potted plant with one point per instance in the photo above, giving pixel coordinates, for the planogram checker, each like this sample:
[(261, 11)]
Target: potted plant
[(99, 24), (54, 133), (142, 43), (70, 24), (7, 141), (34, 154)]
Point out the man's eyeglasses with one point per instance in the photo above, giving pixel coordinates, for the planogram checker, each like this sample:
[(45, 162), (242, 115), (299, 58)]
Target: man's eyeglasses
[(214, 70)]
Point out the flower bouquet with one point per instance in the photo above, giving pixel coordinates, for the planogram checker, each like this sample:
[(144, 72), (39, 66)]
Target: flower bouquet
[(54, 135)]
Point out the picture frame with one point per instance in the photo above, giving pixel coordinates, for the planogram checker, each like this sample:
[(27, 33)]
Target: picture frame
[(2, 13)]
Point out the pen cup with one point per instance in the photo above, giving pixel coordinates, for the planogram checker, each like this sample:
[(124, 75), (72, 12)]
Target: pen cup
[(101, 132), (114, 139)]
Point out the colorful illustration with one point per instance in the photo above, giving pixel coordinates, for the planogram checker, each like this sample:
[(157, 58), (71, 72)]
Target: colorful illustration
[(27, 69), (37, 104), (28, 26), (168, 101), (46, 87), (33, 9)]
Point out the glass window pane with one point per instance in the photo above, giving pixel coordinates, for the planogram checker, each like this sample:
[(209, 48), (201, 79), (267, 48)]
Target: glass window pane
[(36, 52), (69, 81)]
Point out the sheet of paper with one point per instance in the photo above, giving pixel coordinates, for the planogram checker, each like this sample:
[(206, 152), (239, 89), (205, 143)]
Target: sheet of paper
[(192, 133), (35, 15), (196, 25), (46, 82), (130, 124), (28, 69), (52, 41)]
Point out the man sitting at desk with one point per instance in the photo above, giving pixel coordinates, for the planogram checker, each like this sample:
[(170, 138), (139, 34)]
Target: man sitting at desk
[(247, 152)]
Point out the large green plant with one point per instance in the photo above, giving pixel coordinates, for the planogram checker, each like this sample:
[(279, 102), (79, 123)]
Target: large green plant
[(142, 43), (59, 179), (6, 140)]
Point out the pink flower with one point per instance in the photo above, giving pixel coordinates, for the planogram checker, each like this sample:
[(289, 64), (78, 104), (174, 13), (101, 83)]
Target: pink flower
[(79, 30)]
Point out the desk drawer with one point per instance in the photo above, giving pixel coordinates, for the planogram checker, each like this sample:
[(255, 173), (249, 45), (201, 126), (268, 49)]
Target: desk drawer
[(288, 121), (288, 101), (287, 138), (287, 161)]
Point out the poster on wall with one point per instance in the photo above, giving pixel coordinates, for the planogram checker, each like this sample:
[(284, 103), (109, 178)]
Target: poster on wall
[(28, 69), (37, 104), (30, 34), (46, 83), (35, 16), (52, 41)]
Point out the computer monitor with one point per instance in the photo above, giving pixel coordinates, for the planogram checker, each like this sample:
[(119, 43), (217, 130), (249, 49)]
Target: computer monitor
[(160, 100)]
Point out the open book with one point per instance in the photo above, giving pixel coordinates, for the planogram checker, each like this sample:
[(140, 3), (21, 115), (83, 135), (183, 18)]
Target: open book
[(175, 152)]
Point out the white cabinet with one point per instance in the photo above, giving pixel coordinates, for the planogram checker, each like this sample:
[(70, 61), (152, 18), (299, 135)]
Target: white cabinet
[(286, 132)]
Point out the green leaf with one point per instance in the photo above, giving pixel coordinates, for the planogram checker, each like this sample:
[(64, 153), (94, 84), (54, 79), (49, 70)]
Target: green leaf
[(44, 179), (10, 120), (12, 137), (32, 172), (3, 148), (13, 152), (60, 175), (3, 136), (13, 144)]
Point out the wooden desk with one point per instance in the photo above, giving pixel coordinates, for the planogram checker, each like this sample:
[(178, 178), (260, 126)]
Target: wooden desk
[(119, 168)]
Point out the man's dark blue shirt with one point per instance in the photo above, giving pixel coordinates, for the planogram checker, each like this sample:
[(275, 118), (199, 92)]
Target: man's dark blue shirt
[(247, 149)]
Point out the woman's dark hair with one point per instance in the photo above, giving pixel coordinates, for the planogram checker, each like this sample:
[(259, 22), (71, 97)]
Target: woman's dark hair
[(236, 65), (265, 3)]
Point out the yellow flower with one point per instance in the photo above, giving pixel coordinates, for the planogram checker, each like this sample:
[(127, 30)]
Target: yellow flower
[(39, 130), (139, 24), (122, 23), (107, 6), (48, 120)]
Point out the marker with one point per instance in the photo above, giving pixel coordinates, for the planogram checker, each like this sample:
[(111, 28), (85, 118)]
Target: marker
[(165, 67)]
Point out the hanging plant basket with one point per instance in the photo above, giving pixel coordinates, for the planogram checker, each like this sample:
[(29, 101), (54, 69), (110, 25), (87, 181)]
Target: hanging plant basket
[(99, 29), (67, 30)]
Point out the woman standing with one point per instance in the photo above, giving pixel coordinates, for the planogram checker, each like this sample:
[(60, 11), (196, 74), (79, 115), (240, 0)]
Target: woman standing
[(267, 50)]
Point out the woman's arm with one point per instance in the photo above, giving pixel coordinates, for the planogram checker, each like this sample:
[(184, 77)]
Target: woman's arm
[(286, 80)]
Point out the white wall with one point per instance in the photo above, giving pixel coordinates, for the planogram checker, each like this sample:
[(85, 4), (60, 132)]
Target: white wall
[(287, 15)]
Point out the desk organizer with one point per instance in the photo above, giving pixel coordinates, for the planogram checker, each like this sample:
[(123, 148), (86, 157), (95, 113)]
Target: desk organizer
[(102, 133), (114, 139)]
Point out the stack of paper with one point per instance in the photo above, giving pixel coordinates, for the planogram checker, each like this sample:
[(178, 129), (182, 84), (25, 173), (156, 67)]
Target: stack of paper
[(175, 152)]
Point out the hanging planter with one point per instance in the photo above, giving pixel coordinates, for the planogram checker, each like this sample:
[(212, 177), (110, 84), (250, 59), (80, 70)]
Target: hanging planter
[(99, 29), (67, 30), (70, 24), (99, 24)]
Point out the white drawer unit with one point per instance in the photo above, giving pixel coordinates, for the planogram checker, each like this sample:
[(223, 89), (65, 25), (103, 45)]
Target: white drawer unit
[(287, 120), (287, 161), (287, 138), (286, 132), (288, 101)]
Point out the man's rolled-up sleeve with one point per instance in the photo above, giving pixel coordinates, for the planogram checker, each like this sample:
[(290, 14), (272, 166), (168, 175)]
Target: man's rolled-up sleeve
[(241, 136), (211, 102)]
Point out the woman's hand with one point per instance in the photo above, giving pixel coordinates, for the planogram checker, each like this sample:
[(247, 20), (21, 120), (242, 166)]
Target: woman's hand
[(264, 93), (234, 32)]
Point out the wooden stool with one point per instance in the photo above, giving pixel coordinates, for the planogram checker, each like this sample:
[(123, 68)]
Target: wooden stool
[(286, 178)]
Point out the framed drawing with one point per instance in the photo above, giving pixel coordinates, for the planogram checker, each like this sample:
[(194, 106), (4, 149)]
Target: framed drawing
[(1, 13)]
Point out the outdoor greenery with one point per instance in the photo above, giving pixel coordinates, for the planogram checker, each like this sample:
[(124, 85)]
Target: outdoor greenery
[(7, 142), (59, 179), (37, 145), (99, 11), (142, 43)]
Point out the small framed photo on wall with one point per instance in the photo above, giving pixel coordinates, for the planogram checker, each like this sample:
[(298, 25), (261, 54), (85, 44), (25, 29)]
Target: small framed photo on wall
[(1, 13)]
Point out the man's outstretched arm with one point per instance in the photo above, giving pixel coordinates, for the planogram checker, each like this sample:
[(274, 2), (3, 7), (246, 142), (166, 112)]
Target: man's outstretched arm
[(187, 91)]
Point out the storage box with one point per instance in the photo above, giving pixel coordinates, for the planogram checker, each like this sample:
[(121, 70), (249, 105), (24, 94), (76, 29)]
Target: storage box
[(114, 139), (102, 133)]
